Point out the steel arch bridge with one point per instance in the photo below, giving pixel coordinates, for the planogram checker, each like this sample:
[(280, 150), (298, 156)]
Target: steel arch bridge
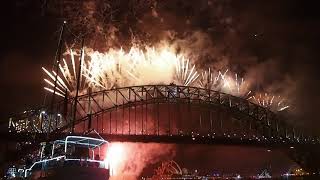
[(167, 113), (162, 110)]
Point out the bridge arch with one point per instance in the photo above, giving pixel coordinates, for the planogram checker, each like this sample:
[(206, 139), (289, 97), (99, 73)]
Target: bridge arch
[(167, 110), (207, 107), (204, 118)]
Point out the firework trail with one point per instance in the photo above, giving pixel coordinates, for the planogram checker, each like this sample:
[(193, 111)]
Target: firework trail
[(224, 81), (117, 68), (149, 65), (137, 67), (66, 83), (272, 102)]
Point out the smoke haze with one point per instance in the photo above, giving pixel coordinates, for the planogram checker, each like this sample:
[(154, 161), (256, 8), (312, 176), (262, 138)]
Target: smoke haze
[(134, 157)]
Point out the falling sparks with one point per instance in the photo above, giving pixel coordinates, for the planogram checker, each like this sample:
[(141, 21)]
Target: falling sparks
[(138, 67), (208, 80), (117, 68), (65, 79), (149, 65), (271, 102), (51, 90), (224, 82), (184, 74)]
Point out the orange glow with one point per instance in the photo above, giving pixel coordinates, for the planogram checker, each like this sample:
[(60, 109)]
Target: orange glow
[(127, 160), (115, 157)]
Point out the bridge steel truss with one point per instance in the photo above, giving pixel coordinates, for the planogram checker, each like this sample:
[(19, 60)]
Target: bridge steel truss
[(160, 110)]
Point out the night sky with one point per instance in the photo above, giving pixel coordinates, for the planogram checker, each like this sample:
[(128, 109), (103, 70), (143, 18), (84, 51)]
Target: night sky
[(277, 39), (275, 42)]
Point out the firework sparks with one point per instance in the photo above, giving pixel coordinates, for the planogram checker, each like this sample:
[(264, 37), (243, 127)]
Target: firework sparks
[(137, 67), (118, 68), (224, 82), (67, 82), (184, 74), (208, 80), (275, 103), (51, 90), (115, 157)]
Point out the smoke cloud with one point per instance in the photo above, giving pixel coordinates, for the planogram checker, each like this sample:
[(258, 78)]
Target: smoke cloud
[(206, 31), (217, 34), (134, 157)]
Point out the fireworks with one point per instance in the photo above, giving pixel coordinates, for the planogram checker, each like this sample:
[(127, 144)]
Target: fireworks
[(184, 75), (272, 102), (66, 83), (128, 160), (115, 157), (224, 82), (148, 65), (117, 68), (208, 80)]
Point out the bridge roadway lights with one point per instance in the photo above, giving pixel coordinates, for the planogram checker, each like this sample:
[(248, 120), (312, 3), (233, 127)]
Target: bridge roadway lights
[(176, 139)]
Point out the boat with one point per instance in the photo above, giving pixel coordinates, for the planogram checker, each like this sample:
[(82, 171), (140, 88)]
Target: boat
[(71, 157)]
